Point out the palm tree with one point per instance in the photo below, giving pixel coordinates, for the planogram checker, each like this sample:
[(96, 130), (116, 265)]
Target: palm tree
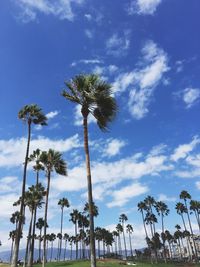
[(129, 230), (142, 207), (59, 236), (75, 215), (39, 225), (181, 209), (119, 229), (35, 157), (34, 201), (195, 207), (122, 219), (162, 210), (52, 161), (52, 237), (94, 96), (66, 238), (12, 236), (185, 195), (29, 114), (115, 235), (62, 203)]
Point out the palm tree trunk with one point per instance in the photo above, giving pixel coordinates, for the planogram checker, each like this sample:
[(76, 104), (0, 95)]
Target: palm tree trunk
[(32, 241), (90, 199), (39, 256), (124, 242), (45, 220), (164, 248), (195, 248), (65, 249), (130, 245), (31, 256), (20, 223), (61, 227), (28, 240), (11, 250)]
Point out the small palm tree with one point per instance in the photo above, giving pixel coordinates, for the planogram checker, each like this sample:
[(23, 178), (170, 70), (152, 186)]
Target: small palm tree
[(122, 219), (75, 215), (162, 210), (30, 114), (52, 161), (62, 203), (185, 196), (129, 230), (94, 96), (39, 225)]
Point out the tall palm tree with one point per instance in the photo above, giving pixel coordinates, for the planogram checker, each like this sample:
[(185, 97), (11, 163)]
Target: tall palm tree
[(30, 114), (75, 215), (195, 207), (35, 157), (181, 209), (142, 207), (12, 236), (122, 219), (94, 96), (185, 195), (119, 229), (39, 225), (162, 210), (62, 203), (129, 230), (35, 196), (52, 161), (51, 239), (66, 238)]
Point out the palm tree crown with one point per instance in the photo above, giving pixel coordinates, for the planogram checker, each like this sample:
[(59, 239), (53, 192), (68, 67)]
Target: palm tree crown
[(94, 95)]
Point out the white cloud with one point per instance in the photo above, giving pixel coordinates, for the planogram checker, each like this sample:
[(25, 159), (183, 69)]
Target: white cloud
[(113, 147), (198, 185), (12, 152), (9, 184), (86, 61), (88, 17), (142, 81), (163, 197), (52, 114), (106, 175), (143, 7), (123, 195), (118, 45), (183, 150), (123, 81), (89, 33), (157, 150), (60, 8), (191, 96)]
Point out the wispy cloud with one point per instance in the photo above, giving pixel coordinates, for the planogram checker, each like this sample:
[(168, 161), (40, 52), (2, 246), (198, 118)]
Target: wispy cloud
[(52, 114), (12, 151), (142, 81), (118, 45), (60, 8), (123, 195), (86, 61), (143, 7), (190, 96), (163, 197), (89, 33), (183, 150)]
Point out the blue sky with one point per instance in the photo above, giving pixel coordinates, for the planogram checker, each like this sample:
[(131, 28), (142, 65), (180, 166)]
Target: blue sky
[(149, 51)]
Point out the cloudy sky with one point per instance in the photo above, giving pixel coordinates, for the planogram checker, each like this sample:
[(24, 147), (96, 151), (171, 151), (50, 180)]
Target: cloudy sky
[(149, 51)]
